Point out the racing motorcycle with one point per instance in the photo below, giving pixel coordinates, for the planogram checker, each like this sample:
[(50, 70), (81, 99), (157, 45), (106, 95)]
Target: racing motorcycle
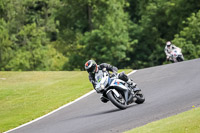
[(116, 90), (176, 55)]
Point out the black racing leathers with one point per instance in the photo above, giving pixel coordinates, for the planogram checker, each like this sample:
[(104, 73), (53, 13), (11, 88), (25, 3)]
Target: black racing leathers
[(100, 67)]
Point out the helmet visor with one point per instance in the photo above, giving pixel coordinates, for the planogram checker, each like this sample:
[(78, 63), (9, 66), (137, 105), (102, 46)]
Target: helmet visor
[(168, 44), (91, 69)]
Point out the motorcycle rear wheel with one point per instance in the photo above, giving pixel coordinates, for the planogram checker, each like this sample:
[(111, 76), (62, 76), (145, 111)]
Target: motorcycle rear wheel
[(140, 97), (118, 102)]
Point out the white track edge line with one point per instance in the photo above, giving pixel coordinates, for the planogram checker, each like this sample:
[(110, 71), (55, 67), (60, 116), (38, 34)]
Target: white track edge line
[(132, 72), (37, 119)]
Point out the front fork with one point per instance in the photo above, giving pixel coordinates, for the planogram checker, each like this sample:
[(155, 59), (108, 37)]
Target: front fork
[(129, 94), (132, 97)]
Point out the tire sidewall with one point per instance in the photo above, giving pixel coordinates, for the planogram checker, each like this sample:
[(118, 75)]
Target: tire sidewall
[(114, 101), (140, 100)]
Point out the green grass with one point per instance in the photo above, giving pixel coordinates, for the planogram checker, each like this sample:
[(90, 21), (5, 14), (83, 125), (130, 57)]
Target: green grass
[(25, 96), (186, 122)]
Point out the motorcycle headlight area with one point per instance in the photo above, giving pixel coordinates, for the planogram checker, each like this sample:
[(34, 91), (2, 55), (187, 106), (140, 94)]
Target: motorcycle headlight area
[(102, 86)]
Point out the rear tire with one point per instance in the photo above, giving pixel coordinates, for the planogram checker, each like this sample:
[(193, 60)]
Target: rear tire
[(118, 102), (140, 97)]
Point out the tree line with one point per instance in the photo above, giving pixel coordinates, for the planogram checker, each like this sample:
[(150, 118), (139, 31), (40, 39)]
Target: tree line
[(64, 34)]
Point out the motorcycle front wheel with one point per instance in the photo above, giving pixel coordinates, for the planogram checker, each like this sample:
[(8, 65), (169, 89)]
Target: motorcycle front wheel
[(117, 101), (179, 59)]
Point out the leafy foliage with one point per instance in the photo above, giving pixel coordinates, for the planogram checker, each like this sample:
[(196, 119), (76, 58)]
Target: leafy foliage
[(109, 40), (63, 34), (189, 38), (6, 52), (160, 21)]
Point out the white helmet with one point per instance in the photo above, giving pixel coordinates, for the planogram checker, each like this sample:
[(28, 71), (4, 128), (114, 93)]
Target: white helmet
[(168, 43)]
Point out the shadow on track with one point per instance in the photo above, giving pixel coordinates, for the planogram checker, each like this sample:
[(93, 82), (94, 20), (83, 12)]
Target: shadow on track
[(99, 113), (94, 114)]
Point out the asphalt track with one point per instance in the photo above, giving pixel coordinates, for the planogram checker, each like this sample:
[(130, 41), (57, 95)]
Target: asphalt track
[(169, 90)]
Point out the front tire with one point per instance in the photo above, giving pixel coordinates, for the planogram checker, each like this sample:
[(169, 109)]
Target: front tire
[(118, 102), (179, 59)]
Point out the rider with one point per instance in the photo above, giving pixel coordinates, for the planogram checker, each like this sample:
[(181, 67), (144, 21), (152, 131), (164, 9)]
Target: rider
[(92, 68), (168, 49)]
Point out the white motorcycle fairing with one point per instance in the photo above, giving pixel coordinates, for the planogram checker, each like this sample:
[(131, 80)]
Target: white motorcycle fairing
[(107, 83), (176, 55)]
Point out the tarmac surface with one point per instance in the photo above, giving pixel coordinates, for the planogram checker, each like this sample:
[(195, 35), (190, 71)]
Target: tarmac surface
[(168, 89)]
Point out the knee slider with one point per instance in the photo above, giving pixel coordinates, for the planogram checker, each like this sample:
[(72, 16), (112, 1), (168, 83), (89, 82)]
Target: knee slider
[(123, 76)]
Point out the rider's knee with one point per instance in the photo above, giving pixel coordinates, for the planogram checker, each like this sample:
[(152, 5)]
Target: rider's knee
[(123, 76), (103, 99)]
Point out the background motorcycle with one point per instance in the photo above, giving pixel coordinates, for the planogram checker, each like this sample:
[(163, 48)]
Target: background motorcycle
[(117, 91), (176, 55)]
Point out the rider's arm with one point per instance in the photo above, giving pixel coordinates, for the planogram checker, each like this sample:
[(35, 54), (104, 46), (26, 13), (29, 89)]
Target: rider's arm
[(175, 47), (108, 67), (166, 52), (92, 80), (93, 83)]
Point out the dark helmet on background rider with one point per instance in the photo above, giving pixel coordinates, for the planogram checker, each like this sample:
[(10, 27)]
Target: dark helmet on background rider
[(91, 66), (168, 43)]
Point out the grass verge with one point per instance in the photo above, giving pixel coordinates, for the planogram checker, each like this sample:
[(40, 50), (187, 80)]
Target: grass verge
[(186, 122), (25, 96)]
